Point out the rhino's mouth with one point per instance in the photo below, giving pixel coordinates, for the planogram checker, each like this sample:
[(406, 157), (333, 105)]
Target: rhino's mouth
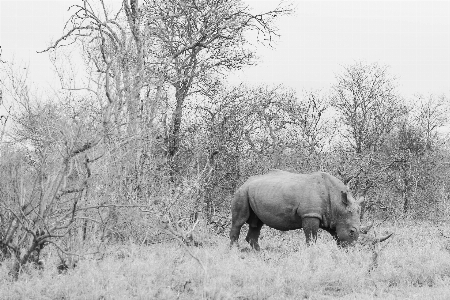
[(349, 239), (345, 244)]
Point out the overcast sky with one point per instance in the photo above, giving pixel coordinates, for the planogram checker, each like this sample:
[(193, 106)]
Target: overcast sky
[(412, 38)]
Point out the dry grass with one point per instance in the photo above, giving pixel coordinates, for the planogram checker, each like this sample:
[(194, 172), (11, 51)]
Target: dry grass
[(414, 264)]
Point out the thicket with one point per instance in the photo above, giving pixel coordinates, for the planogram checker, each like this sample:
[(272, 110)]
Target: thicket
[(154, 141)]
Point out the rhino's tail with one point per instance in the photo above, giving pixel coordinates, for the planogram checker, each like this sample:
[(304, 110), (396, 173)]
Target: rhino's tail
[(240, 206), (248, 213)]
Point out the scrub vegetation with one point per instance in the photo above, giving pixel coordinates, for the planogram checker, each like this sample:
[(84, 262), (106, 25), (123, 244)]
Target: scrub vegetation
[(119, 184)]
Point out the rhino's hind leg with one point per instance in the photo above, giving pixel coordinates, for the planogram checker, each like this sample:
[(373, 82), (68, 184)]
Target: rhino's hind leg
[(254, 229), (240, 212), (235, 232), (310, 227)]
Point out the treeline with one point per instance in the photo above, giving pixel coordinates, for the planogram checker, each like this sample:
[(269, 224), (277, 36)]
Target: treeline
[(155, 140)]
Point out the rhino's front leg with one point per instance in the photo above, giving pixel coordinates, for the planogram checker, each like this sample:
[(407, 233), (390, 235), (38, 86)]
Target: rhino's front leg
[(310, 227)]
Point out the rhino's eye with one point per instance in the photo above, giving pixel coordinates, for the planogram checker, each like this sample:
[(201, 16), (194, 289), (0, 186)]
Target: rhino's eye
[(352, 232)]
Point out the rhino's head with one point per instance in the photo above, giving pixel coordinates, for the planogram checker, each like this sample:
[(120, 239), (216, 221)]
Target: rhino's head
[(348, 224)]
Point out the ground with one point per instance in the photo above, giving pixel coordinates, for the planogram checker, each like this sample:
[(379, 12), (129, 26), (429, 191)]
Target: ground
[(413, 264)]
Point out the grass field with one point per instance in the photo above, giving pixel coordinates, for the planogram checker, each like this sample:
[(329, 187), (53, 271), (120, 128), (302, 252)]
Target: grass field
[(413, 264)]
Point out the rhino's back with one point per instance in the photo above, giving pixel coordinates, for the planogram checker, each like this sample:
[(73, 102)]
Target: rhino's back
[(281, 199)]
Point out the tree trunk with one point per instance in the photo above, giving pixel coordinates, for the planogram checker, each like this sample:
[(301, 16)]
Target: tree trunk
[(181, 89), (405, 201), (22, 261)]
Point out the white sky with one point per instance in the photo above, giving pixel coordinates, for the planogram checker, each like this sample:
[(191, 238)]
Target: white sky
[(412, 38)]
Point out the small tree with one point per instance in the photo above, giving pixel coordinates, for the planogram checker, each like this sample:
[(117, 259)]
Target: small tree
[(407, 150), (416, 156), (365, 98), (431, 115), (368, 106), (45, 171)]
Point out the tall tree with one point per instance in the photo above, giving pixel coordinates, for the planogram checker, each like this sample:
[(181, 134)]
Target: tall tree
[(199, 40), (113, 46)]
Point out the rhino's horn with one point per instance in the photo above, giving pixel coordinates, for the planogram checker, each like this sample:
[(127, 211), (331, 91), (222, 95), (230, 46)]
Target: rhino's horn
[(366, 229), (382, 239)]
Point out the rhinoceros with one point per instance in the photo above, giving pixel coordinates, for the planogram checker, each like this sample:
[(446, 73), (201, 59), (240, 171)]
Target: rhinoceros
[(287, 201)]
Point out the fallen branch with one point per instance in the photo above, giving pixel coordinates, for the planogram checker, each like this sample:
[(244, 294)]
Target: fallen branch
[(167, 227)]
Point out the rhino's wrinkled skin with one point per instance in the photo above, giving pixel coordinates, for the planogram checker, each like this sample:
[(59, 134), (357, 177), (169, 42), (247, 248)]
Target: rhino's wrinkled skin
[(287, 201)]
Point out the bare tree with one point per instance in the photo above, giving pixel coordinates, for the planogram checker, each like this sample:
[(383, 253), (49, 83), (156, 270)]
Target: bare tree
[(415, 152), (406, 152), (199, 40), (432, 114), (45, 172), (368, 107), (114, 45), (366, 100)]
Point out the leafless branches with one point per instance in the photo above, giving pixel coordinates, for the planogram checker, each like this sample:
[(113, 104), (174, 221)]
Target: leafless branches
[(365, 97)]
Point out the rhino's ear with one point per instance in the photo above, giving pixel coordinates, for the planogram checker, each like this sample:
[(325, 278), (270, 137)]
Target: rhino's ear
[(345, 198)]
